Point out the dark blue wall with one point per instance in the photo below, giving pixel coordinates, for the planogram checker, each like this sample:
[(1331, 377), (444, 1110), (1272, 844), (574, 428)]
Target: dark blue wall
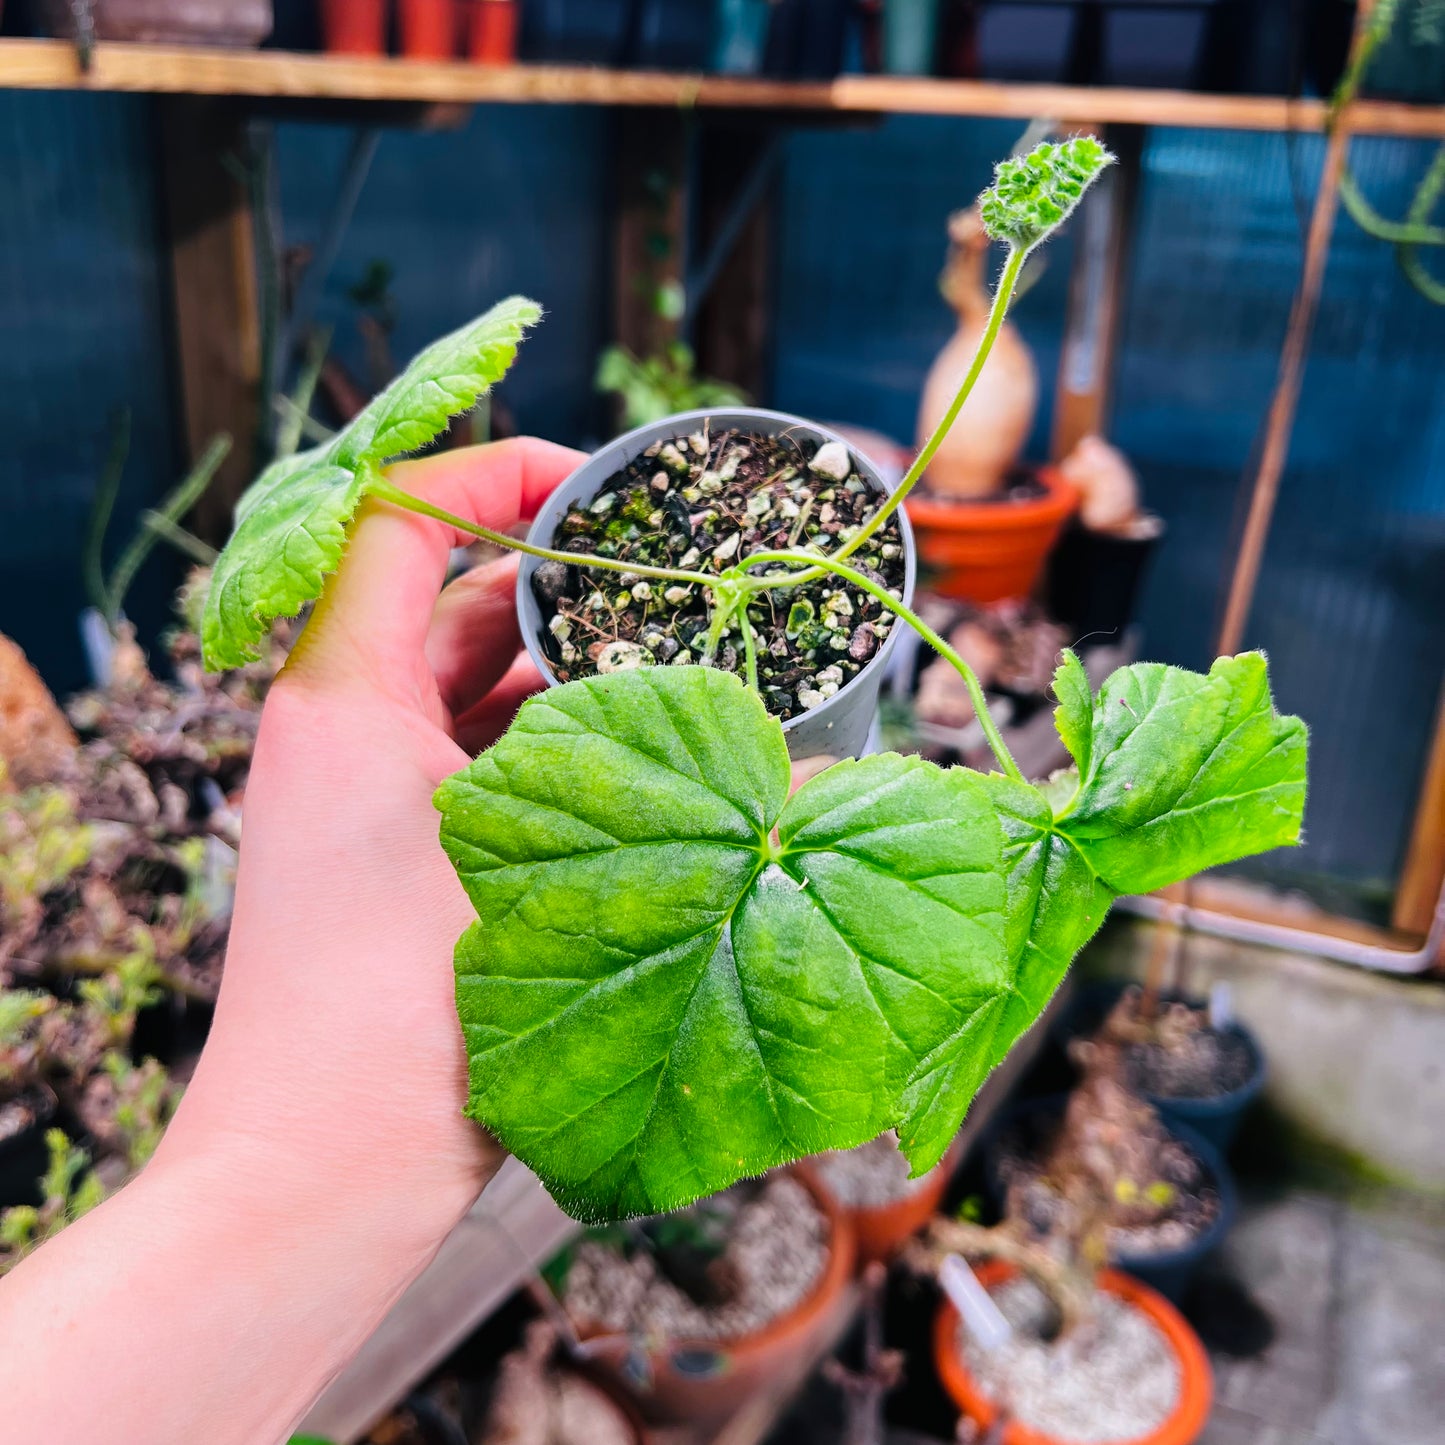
[(1353, 594), (513, 201)]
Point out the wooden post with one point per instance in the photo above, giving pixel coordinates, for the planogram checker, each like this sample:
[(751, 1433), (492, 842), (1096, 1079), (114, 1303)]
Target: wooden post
[(1084, 390), (213, 274), (651, 238), (734, 321), (1424, 873)]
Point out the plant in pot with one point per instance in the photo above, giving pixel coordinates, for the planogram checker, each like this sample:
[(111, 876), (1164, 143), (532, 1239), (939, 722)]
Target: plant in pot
[(884, 1205), (1101, 1164), (695, 1310), (1088, 1353), (985, 524), (1190, 1059), (680, 976), (540, 1398)]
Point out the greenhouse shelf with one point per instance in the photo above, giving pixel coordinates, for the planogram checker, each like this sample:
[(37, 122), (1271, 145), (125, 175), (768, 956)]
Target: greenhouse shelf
[(194, 70)]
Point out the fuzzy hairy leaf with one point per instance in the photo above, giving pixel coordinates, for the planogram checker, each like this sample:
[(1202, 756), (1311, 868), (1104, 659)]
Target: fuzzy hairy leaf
[(292, 523), (1179, 771), (1034, 194), (680, 976), (657, 998)]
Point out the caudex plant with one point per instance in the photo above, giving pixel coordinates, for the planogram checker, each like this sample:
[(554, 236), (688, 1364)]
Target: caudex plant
[(680, 975)]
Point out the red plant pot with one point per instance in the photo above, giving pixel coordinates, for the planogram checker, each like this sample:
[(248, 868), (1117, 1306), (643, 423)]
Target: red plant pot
[(988, 550), (1196, 1381), (429, 29), (703, 1381), (354, 27), (492, 32)]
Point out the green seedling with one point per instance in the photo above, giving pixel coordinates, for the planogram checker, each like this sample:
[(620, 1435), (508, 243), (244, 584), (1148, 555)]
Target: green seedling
[(680, 975)]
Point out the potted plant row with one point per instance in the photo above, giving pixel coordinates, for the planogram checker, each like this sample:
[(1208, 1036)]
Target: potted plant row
[(1079, 1350), (810, 970)]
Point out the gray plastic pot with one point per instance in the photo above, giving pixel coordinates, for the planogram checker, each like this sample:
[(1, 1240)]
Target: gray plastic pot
[(838, 726)]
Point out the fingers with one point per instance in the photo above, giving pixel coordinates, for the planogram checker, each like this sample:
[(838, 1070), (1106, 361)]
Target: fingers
[(473, 638), (377, 609), (806, 768), (483, 723)]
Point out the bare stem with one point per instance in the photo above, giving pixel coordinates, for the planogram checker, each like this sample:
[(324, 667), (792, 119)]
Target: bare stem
[(896, 606), (389, 492)]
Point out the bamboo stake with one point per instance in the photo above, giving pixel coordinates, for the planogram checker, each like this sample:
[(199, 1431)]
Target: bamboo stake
[(1284, 404)]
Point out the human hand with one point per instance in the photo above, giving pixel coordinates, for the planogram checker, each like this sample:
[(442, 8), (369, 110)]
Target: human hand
[(336, 1062)]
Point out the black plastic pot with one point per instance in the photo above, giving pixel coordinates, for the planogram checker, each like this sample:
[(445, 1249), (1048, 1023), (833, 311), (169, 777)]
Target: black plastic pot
[(1163, 43), (1094, 577), (1217, 1119), (671, 34), (576, 32), (807, 38), (1169, 1271), (840, 725), (1031, 40), (23, 1156)]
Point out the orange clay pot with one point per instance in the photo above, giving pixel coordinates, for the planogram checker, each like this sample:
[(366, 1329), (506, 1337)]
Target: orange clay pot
[(986, 551), (429, 29), (1196, 1381), (703, 1381), (492, 35), (884, 1229)]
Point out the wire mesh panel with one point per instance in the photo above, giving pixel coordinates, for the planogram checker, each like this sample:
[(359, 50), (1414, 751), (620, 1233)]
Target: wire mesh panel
[(859, 317), (1351, 603), (85, 321)]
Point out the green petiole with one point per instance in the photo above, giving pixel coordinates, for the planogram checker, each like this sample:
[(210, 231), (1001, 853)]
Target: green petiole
[(908, 615)]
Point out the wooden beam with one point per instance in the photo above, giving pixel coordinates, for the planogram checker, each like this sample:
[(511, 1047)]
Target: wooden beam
[(1424, 873), (733, 332), (213, 277), (1084, 389), (650, 246), (52, 65)]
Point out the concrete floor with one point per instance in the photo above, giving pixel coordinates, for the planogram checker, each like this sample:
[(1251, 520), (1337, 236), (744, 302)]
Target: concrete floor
[(1356, 1294)]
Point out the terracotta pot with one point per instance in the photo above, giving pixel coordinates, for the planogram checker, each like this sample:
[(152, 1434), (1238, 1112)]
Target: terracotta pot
[(354, 27), (986, 551), (989, 435), (883, 1229), (702, 1381), (429, 29), (492, 31), (1196, 1383)]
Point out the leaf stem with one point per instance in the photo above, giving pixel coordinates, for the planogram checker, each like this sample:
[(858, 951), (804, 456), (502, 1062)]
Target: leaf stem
[(389, 492), (895, 605), (750, 647), (1002, 299)]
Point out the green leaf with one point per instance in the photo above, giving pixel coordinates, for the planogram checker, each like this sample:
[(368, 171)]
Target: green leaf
[(293, 522), (1179, 772), (1034, 194), (658, 998), (441, 382)]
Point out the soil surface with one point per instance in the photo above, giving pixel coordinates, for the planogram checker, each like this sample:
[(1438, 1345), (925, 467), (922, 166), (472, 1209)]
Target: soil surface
[(1114, 1378), (1206, 1064), (774, 1249), (701, 503), (870, 1176)]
